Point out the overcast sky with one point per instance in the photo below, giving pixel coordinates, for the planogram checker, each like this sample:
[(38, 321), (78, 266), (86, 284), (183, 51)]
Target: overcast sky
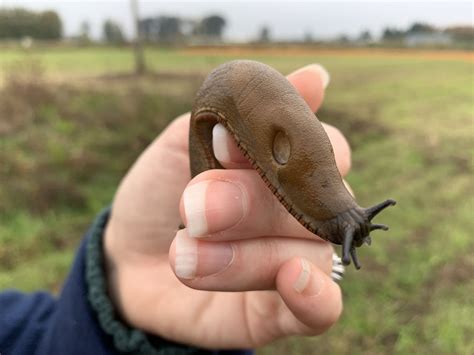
[(286, 19)]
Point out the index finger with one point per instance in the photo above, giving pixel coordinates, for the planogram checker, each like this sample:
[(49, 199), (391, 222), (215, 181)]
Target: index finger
[(310, 82)]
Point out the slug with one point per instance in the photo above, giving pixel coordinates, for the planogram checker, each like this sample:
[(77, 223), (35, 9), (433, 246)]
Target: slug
[(286, 144)]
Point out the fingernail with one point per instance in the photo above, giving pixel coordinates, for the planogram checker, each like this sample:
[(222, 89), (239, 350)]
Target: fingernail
[(186, 257), (323, 74), (195, 259), (221, 202), (194, 199), (307, 282), (220, 137), (348, 187)]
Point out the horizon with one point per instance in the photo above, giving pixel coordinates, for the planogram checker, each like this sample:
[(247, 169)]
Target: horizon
[(286, 21)]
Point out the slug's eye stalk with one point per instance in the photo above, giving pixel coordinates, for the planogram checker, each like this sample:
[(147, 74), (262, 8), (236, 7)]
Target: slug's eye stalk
[(355, 236), (375, 210)]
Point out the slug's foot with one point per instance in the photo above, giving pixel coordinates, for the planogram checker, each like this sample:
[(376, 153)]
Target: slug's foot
[(356, 236)]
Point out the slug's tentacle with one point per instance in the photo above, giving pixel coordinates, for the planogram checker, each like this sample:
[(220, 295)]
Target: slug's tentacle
[(375, 210), (354, 258), (347, 246), (378, 226), (357, 232)]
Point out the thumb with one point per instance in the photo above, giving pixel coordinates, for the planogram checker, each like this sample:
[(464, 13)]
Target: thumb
[(314, 300), (147, 200)]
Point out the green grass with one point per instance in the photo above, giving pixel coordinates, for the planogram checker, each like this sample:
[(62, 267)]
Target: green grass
[(410, 123)]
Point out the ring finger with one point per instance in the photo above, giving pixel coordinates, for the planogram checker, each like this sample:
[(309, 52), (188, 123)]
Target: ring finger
[(238, 265)]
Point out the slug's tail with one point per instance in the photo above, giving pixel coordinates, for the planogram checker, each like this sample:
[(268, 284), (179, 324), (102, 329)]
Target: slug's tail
[(352, 235)]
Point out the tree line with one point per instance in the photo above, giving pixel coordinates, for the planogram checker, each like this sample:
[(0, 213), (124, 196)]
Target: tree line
[(175, 29), (19, 23), (457, 33)]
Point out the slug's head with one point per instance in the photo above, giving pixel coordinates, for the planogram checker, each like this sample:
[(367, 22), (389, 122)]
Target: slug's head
[(353, 229)]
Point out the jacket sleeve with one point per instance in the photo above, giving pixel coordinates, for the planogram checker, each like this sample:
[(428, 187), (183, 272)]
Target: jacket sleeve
[(39, 323), (82, 320)]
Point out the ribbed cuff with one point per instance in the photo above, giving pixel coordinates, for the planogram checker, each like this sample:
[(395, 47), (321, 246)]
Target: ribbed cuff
[(126, 339)]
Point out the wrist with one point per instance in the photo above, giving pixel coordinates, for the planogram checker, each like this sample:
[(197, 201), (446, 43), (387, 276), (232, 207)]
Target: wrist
[(101, 278), (110, 267)]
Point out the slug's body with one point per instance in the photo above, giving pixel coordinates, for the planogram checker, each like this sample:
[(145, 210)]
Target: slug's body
[(286, 144)]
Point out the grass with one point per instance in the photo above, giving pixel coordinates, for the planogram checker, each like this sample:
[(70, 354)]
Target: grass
[(409, 120)]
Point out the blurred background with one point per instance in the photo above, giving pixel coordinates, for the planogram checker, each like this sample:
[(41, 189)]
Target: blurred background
[(86, 85)]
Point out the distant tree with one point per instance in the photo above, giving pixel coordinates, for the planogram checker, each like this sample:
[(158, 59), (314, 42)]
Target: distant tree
[(390, 34), (264, 34), (343, 38), (18, 23), (85, 32), (418, 27), (365, 36), (148, 28), (308, 37), (112, 32), (49, 25), (169, 28), (161, 28), (461, 33), (211, 26)]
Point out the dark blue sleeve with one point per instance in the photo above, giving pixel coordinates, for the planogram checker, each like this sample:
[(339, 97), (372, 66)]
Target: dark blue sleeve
[(40, 324)]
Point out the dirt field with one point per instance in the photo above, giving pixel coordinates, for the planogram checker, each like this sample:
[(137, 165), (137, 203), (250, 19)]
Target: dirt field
[(311, 51)]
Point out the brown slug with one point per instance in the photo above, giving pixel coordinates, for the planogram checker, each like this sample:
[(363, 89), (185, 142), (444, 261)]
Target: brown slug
[(284, 141)]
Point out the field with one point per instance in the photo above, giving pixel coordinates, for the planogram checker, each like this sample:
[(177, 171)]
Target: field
[(72, 120)]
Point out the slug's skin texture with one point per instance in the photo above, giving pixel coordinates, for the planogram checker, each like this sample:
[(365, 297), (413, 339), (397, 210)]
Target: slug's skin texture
[(286, 144)]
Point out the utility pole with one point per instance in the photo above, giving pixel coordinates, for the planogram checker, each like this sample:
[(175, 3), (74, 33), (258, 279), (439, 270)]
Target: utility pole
[(140, 67)]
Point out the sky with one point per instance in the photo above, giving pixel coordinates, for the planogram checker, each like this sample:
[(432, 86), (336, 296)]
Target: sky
[(286, 19)]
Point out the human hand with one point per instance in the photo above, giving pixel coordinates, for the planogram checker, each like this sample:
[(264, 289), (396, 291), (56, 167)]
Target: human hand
[(278, 271)]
